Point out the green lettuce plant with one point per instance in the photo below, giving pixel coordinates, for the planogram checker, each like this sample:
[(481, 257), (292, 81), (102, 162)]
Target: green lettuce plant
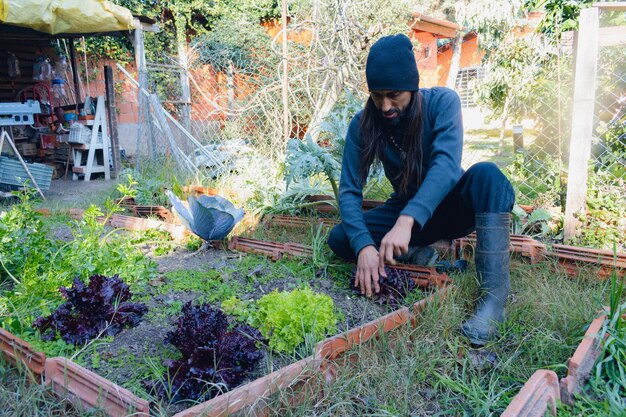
[(287, 319)]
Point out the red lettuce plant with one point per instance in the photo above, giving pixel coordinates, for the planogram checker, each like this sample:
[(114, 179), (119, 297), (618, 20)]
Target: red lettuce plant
[(393, 288), (102, 307), (213, 355)]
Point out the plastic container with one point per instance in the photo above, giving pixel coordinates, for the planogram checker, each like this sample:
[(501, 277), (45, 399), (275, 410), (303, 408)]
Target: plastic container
[(58, 89), (13, 66), (69, 117), (42, 70), (60, 67)]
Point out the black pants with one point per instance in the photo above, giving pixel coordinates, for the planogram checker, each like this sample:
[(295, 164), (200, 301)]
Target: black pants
[(482, 189)]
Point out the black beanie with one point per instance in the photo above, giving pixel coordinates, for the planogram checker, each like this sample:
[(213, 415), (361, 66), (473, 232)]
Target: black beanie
[(391, 65)]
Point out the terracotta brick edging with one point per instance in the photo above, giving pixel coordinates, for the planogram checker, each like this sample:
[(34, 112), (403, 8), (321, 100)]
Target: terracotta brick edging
[(87, 389), (254, 393), (274, 250), (176, 231), (609, 262), (275, 220), (536, 396), (525, 245), (543, 388), (158, 211), (579, 366), (15, 351)]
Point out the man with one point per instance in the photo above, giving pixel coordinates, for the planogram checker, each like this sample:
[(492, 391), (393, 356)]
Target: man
[(417, 134)]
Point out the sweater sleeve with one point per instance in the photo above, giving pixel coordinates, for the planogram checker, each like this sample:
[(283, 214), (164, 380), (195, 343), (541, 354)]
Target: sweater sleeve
[(351, 190), (444, 169)]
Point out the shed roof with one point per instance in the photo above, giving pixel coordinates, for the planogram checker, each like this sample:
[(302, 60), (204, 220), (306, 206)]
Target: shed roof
[(438, 27), (66, 19)]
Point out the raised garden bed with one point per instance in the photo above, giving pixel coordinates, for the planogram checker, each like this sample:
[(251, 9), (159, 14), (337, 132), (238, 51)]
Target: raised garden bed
[(88, 386)]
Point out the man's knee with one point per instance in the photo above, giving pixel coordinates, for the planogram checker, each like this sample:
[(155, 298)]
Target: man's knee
[(491, 185), (339, 242), (486, 172)]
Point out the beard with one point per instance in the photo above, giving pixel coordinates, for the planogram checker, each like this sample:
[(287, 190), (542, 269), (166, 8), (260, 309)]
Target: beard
[(393, 122)]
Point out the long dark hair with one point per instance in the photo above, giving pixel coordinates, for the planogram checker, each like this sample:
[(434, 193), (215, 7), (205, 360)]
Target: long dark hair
[(374, 142)]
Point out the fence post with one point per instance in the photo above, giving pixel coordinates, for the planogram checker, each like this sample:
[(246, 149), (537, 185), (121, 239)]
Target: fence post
[(144, 114), (285, 92), (183, 61), (582, 117), (112, 116)]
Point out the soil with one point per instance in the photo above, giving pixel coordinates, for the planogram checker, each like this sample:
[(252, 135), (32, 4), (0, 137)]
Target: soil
[(79, 194)]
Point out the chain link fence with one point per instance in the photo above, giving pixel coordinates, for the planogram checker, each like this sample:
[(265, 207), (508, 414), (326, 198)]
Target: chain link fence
[(604, 221), (517, 100)]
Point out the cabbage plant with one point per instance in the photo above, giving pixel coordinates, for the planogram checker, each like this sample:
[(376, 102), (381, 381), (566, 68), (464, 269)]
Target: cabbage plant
[(209, 217)]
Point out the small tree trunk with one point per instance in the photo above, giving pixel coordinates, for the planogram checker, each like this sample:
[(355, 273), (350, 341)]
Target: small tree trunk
[(230, 85), (183, 62), (505, 115), (457, 45)]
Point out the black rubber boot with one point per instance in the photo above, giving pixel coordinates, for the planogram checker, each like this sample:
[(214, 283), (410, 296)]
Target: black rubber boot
[(419, 255), (492, 268)]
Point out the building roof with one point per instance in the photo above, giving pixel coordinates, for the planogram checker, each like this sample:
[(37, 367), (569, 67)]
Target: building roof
[(438, 27)]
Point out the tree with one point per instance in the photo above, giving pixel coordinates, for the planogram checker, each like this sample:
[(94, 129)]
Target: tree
[(333, 61)]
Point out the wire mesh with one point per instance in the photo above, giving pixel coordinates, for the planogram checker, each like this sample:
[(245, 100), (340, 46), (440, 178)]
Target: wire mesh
[(605, 223), (235, 101)]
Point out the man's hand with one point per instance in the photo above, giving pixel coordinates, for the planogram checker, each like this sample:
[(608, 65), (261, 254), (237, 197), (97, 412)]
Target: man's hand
[(368, 271), (396, 241)]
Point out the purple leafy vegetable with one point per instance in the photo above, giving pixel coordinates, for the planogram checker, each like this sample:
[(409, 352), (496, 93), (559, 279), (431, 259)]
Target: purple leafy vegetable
[(395, 287), (214, 357), (103, 306)]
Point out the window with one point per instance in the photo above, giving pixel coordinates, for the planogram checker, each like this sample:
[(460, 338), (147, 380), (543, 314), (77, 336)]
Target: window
[(462, 84)]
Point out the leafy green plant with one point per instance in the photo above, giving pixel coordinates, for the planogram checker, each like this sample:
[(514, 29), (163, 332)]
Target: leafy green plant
[(536, 177), (306, 159), (539, 223), (24, 245), (604, 222), (287, 319), (612, 368), (242, 310)]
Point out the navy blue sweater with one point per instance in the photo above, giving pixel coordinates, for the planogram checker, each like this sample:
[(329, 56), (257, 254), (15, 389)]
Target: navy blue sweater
[(442, 143)]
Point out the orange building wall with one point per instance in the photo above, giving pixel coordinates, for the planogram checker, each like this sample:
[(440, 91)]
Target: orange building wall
[(432, 64), (434, 68)]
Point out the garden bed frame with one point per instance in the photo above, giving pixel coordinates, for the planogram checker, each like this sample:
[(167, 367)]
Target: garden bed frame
[(570, 257), (87, 389)]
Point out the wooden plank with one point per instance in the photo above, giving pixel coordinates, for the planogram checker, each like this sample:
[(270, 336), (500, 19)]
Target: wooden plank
[(83, 170), (611, 6), (582, 118), (112, 115), (612, 36), (429, 27), (74, 67)]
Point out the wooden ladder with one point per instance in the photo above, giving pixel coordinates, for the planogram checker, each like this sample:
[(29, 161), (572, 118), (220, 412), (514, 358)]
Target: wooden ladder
[(98, 125)]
